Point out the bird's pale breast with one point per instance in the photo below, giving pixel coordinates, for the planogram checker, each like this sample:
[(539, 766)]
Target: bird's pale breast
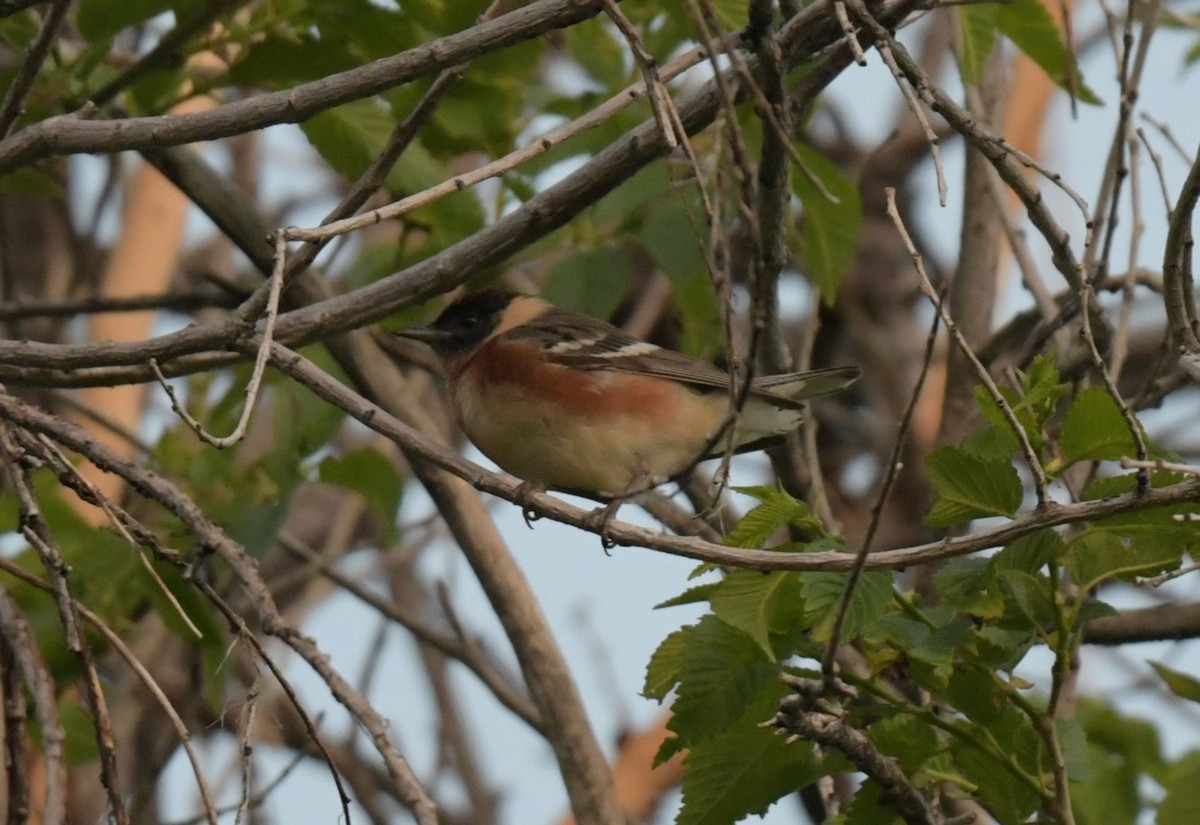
[(577, 432)]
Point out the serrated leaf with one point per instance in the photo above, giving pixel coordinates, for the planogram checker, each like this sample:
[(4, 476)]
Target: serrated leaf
[(1002, 648), (720, 671), (1029, 596), (829, 238), (757, 603), (1029, 553), (1028, 24), (1007, 798), (869, 808), (662, 672), (1096, 555), (969, 487), (910, 740), (777, 509), (991, 442), (693, 595), (745, 769), (961, 582), (1094, 429), (1182, 685), (823, 595)]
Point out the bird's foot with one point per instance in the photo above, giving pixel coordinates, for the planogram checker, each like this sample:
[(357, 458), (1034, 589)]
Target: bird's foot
[(600, 520), (524, 494)]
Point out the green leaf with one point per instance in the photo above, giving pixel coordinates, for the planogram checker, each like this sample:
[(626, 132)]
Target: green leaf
[(1121, 751), (969, 487), (910, 740), (777, 509), (1073, 740), (1007, 798), (722, 669), (672, 238), (19, 30), (100, 19), (977, 25), (758, 604), (994, 442), (1182, 685), (350, 136), (1181, 806), (745, 769), (1133, 741), (662, 673), (1096, 555), (369, 473), (823, 595), (869, 808), (1028, 596), (79, 746), (592, 281), (1029, 553), (732, 13), (1094, 429), (693, 595), (829, 237), (963, 584), (1028, 24)]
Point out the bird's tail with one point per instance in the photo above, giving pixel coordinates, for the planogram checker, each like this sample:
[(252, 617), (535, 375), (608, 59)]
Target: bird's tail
[(793, 388), (775, 406)]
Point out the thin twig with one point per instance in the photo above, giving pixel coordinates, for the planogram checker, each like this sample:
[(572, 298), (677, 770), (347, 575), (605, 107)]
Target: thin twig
[(246, 745), (656, 91), (14, 101), (424, 447), (36, 530), (918, 110), (143, 675), (500, 166), (856, 49), (1160, 464), (64, 467), (260, 362), (828, 662), (463, 650), (14, 627), (97, 304), (1156, 158), (1040, 482)]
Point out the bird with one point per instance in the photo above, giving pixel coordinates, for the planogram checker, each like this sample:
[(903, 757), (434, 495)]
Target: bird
[(566, 402)]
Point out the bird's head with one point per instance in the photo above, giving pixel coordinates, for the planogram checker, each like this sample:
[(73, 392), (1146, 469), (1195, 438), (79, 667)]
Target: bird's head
[(474, 318)]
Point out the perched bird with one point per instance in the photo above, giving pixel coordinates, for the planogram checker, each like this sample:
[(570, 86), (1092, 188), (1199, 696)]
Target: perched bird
[(570, 403)]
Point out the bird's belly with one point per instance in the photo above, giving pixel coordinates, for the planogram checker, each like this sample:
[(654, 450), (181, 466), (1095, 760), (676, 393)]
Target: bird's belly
[(604, 451)]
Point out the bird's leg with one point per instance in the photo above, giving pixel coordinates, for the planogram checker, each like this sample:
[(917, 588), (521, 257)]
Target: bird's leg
[(599, 520), (525, 492)]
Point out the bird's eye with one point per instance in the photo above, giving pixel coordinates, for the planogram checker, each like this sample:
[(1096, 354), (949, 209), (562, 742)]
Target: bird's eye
[(468, 321)]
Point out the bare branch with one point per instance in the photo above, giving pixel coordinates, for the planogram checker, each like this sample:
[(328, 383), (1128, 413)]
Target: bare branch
[(73, 135)]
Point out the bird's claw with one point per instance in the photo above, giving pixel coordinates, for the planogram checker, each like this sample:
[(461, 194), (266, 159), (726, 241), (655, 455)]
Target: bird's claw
[(525, 492), (600, 520)]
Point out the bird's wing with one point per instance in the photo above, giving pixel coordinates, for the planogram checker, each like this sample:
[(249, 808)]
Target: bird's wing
[(580, 342), (583, 343)]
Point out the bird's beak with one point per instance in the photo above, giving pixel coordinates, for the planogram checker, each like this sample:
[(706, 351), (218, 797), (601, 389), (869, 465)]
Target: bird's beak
[(427, 335)]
